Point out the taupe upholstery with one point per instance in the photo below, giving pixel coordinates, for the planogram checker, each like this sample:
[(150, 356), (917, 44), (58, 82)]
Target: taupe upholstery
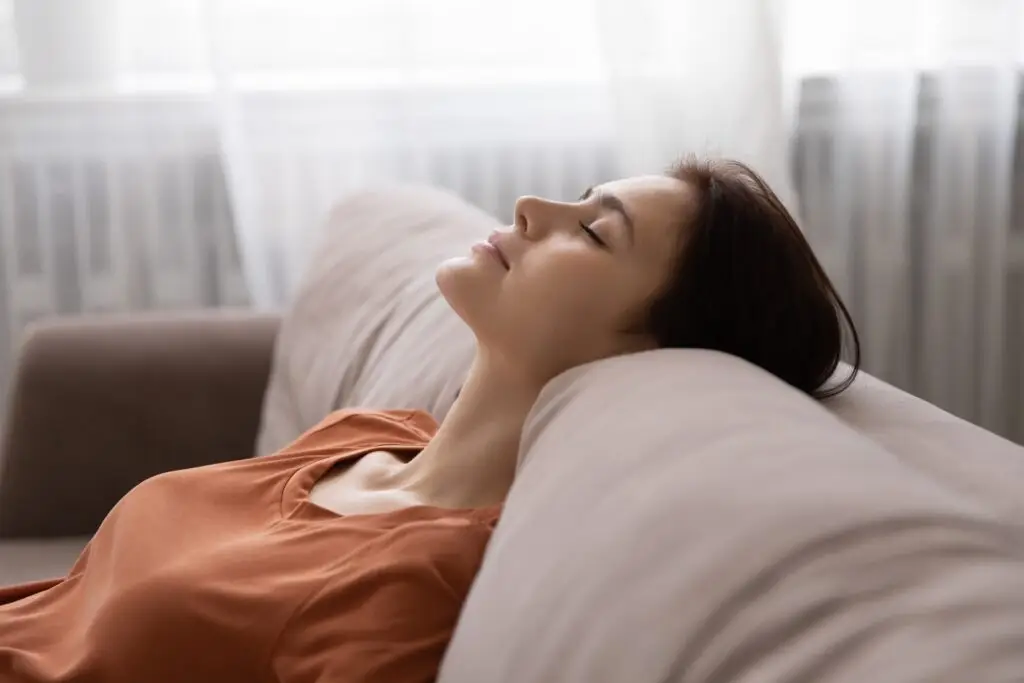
[(99, 404)]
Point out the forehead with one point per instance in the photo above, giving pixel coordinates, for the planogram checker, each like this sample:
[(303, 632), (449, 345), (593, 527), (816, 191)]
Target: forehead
[(657, 205)]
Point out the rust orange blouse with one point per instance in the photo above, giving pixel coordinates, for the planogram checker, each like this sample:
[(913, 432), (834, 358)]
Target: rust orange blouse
[(229, 573)]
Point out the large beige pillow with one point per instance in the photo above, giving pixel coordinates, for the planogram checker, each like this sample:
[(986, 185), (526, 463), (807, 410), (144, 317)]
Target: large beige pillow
[(367, 326), (959, 454), (683, 516)]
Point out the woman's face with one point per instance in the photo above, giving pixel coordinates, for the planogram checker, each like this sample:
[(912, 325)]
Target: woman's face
[(568, 283)]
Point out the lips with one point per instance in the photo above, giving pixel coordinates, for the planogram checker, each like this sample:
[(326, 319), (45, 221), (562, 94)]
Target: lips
[(494, 240)]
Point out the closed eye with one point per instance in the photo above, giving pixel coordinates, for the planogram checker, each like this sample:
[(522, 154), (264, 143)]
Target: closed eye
[(593, 235)]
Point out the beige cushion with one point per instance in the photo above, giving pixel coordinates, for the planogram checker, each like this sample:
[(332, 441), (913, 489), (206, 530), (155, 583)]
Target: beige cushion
[(683, 516), (367, 326), (956, 453)]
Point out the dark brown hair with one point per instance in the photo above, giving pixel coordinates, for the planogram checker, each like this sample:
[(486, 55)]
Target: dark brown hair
[(747, 283)]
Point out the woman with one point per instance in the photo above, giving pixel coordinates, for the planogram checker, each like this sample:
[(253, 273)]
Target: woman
[(344, 557)]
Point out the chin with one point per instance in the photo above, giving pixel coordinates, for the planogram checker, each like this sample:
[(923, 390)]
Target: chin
[(470, 290)]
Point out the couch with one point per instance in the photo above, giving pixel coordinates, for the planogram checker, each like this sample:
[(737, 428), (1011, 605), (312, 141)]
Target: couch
[(99, 404), (678, 516)]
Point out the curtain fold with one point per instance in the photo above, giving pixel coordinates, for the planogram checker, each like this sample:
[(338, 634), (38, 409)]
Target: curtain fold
[(911, 211), (964, 253)]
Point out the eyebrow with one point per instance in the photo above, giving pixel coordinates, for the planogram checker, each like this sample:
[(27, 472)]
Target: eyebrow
[(613, 203)]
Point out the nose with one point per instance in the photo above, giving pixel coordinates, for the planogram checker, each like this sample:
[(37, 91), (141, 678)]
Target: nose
[(534, 216)]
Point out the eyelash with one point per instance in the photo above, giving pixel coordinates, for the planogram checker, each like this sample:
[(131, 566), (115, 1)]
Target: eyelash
[(593, 235)]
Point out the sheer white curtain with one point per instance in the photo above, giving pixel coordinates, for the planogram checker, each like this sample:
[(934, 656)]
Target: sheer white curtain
[(888, 126), (477, 96), (908, 162)]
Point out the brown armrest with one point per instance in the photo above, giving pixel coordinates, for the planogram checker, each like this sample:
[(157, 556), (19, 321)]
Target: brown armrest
[(99, 404)]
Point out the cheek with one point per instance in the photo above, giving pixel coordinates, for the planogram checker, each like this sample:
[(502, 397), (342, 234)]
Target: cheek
[(564, 297)]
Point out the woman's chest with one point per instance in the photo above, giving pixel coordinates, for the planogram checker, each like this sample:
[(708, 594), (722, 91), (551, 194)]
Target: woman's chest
[(201, 612), (212, 607)]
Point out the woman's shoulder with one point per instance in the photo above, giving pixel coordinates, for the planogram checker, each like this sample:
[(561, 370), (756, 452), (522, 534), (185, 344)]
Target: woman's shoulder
[(351, 428)]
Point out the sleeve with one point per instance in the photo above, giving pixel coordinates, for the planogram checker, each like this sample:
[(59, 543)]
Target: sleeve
[(389, 621), (9, 594)]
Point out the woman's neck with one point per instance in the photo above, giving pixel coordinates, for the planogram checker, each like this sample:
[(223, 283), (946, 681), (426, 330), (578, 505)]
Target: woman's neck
[(471, 460)]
